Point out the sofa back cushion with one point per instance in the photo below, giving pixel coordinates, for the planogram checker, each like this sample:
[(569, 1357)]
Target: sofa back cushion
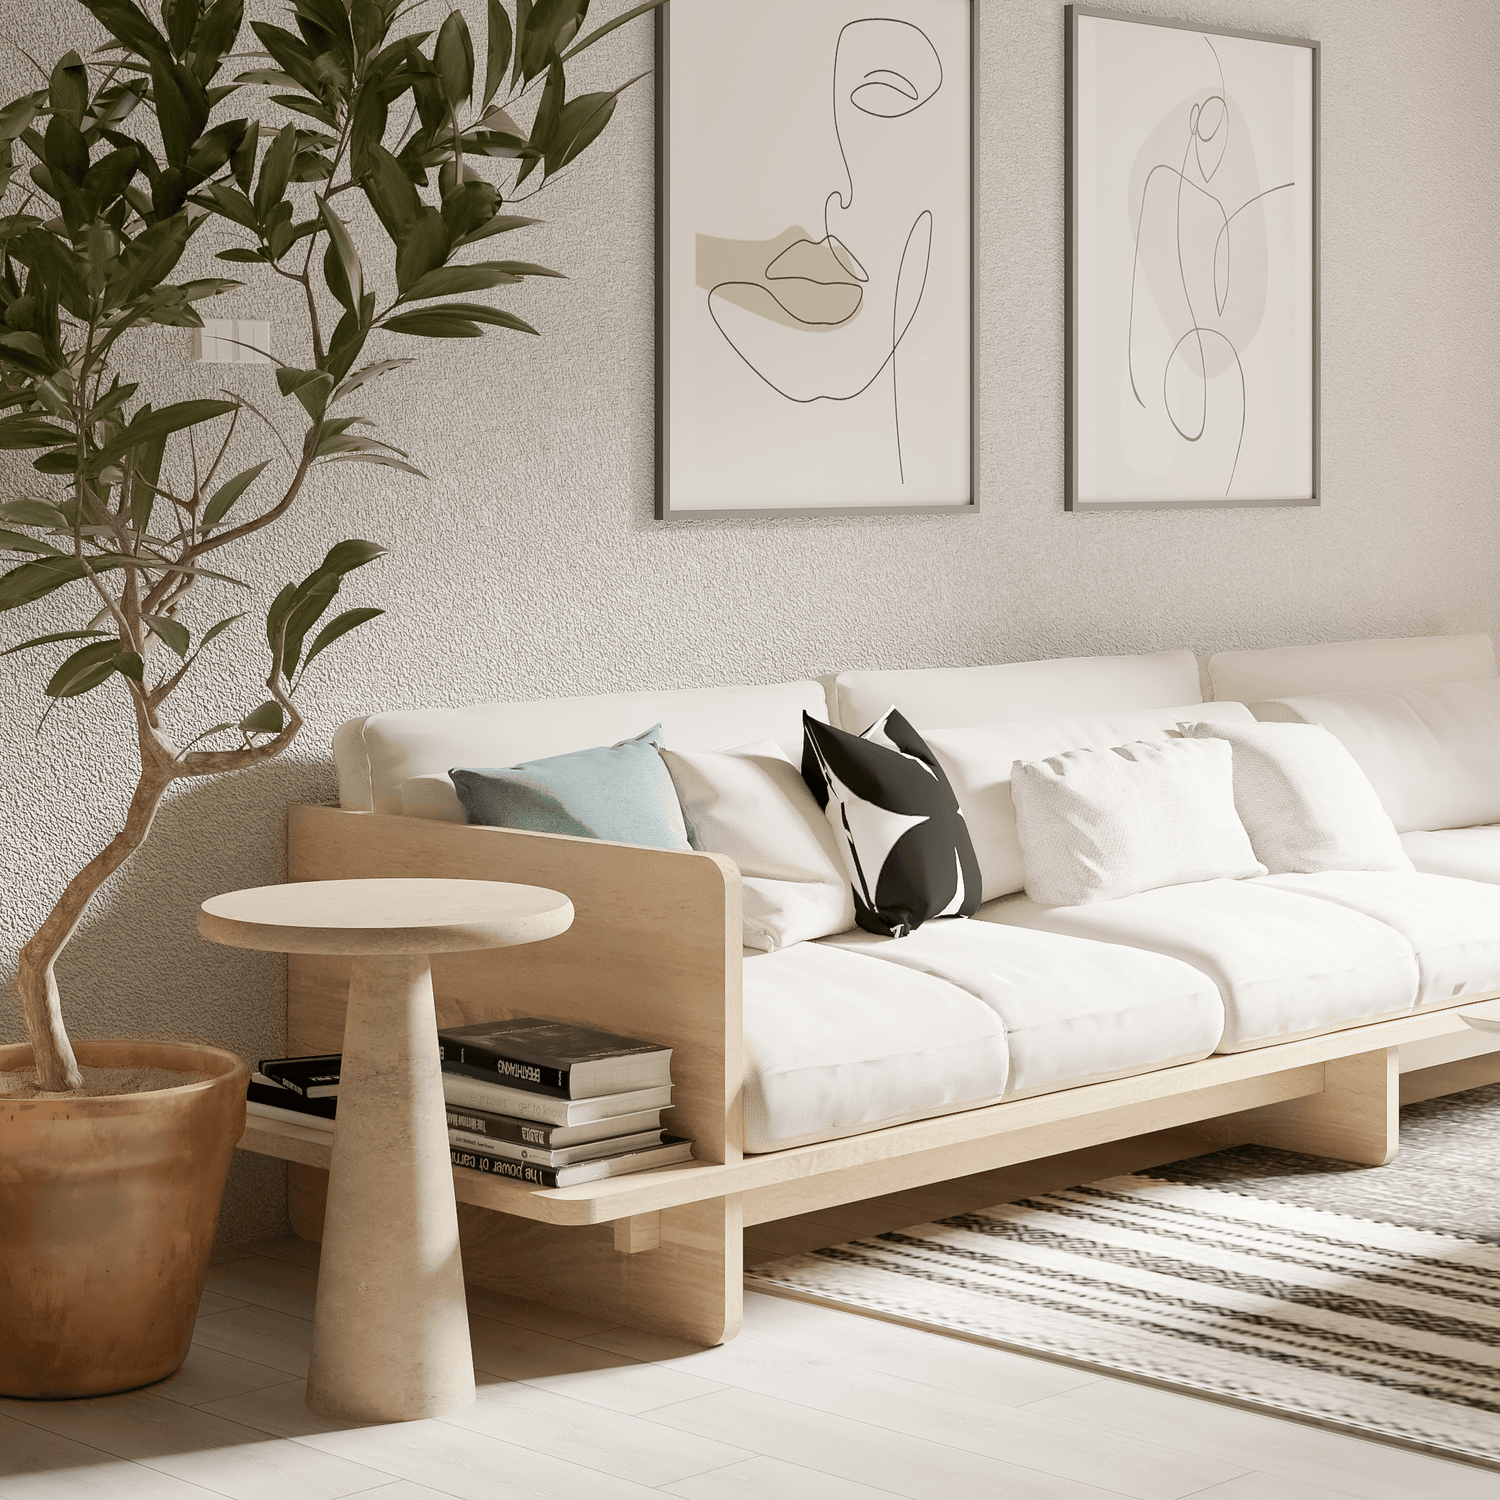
[(977, 762), (1350, 667), (956, 697), (1432, 753), (374, 756)]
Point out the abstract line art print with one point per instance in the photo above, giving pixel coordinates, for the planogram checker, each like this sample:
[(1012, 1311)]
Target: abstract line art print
[(1192, 265), (815, 249)]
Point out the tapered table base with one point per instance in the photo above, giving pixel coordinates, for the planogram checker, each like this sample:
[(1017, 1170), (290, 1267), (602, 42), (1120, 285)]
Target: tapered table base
[(391, 1328)]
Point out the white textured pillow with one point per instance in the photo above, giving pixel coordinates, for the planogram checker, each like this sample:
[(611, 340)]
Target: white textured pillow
[(977, 763), (1099, 824), (751, 803), (1431, 753), (1304, 801)]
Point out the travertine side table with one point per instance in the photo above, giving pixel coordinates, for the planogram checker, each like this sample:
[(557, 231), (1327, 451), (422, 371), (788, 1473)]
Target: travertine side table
[(390, 1331)]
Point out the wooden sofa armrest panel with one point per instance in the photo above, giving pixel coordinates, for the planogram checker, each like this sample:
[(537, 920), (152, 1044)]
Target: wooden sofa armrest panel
[(654, 950)]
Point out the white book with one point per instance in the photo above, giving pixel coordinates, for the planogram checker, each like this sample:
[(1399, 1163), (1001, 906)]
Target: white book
[(477, 1094)]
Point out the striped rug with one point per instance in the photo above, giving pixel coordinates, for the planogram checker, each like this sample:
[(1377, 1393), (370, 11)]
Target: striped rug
[(1386, 1329)]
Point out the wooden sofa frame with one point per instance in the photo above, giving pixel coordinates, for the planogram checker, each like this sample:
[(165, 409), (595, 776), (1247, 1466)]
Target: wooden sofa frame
[(655, 951)]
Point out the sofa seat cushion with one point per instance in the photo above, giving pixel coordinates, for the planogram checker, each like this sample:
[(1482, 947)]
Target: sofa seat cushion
[(1453, 925), (838, 1043), (1286, 965), (1469, 853), (1074, 1012)]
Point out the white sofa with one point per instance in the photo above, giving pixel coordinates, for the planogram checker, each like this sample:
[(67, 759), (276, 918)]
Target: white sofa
[(808, 1074)]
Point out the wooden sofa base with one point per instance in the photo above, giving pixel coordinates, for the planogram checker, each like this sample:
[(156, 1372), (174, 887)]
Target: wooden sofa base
[(655, 950)]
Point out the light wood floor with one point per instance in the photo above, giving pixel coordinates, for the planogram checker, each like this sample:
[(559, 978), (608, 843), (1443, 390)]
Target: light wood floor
[(807, 1404)]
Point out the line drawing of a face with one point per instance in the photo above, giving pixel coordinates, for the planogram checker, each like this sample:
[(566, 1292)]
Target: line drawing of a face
[(822, 319)]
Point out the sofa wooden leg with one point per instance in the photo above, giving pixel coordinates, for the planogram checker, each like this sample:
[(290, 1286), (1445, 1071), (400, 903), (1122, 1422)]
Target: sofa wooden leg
[(688, 1286), (1354, 1118)]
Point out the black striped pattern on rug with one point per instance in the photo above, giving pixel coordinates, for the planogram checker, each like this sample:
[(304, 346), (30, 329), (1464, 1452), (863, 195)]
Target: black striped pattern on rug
[(1386, 1329)]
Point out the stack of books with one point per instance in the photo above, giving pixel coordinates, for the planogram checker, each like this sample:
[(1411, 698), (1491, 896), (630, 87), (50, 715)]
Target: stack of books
[(297, 1090), (552, 1105), (543, 1102)]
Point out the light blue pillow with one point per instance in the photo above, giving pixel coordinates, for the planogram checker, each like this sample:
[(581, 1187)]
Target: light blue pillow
[(623, 793)]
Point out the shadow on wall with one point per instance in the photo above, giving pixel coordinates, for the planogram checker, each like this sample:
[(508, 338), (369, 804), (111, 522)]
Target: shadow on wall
[(137, 967)]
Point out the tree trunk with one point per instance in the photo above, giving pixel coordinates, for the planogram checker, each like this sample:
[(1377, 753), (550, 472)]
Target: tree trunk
[(52, 1052)]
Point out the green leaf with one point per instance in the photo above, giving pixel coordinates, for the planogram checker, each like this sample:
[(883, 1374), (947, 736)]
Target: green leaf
[(214, 631), (129, 664), (267, 719), (579, 125), (434, 324), (172, 632), (454, 57), (500, 224), (384, 459), (276, 170), (340, 244), (33, 513), (366, 375), (47, 640), (84, 670), (340, 625), (179, 17), (523, 268), (239, 253), (449, 281), (523, 24), (242, 162), (390, 192), (227, 493), (311, 387), (18, 541), (32, 432), (160, 424), (609, 26), (497, 51), (126, 24), (35, 580), (423, 246), (68, 90)]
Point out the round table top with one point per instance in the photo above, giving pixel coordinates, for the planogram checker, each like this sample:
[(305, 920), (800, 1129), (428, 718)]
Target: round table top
[(384, 916)]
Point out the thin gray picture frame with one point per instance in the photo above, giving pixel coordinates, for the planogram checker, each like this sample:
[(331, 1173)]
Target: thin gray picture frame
[(665, 510), (1071, 501)]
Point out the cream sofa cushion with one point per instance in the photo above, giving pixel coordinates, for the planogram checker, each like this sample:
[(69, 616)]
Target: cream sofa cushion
[(1096, 825), (1304, 801), (1469, 853), (977, 761), (951, 697), (751, 803), (1350, 666), (1074, 1012), (1452, 925), (1432, 753), (837, 1044), (375, 755), (1285, 964)]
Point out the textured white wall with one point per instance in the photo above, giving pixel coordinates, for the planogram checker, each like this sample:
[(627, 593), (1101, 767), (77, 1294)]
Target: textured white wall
[(530, 565)]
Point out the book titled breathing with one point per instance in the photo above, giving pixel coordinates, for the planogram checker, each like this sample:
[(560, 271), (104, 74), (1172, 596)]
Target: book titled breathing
[(554, 1058)]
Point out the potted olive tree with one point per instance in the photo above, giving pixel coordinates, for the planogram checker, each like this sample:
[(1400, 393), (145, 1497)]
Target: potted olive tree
[(115, 1152)]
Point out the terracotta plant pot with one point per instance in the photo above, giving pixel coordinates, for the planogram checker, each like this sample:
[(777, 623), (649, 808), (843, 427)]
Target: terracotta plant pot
[(107, 1210)]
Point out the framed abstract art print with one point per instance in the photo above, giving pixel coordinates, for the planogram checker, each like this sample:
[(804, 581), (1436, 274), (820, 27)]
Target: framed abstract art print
[(1192, 265), (815, 252)]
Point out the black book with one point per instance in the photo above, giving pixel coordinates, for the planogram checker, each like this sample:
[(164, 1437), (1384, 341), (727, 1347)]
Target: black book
[(313, 1077), (669, 1153), (288, 1101), (554, 1058)]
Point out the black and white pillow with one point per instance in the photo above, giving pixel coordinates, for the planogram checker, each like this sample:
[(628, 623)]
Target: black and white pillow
[(896, 821)]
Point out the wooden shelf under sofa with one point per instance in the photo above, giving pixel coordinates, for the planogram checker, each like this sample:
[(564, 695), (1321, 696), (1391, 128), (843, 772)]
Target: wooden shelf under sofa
[(655, 951)]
